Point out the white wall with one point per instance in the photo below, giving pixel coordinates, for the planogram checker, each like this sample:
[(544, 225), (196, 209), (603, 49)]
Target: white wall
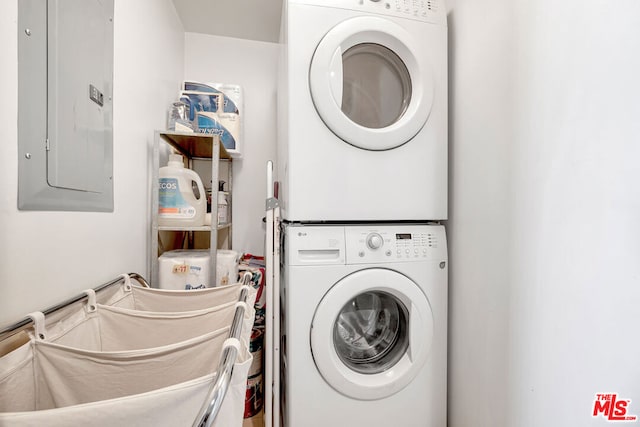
[(575, 264), (252, 65), (544, 232), (480, 134), (46, 257)]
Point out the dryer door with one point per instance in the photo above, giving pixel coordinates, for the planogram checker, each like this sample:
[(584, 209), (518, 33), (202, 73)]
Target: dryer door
[(369, 84), (371, 333)]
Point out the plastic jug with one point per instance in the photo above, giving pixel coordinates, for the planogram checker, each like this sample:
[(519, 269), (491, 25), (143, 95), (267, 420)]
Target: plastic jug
[(178, 204)]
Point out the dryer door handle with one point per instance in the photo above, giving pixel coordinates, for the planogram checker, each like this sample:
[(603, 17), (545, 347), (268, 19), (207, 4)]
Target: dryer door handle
[(335, 76)]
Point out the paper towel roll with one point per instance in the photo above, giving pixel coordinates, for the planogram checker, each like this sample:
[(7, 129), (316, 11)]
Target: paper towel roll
[(224, 118), (226, 267), (184, 269)]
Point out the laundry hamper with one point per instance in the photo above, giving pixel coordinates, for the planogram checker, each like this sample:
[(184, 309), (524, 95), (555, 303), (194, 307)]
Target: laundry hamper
[(45, 381), (98, 328)]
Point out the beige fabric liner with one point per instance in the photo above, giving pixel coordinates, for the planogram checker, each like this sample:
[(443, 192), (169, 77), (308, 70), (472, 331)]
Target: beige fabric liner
[(172, 406)]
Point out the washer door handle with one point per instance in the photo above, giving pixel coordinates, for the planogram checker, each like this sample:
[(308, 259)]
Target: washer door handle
[(416, 333)]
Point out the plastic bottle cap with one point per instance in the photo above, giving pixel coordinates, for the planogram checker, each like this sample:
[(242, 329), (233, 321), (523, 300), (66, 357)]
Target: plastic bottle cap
[(175, 160)]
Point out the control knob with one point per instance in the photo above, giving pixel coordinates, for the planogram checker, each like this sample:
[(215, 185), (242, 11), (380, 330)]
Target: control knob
[(374, 241)]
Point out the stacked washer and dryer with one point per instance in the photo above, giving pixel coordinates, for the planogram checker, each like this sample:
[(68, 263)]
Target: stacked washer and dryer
[(362, 166)]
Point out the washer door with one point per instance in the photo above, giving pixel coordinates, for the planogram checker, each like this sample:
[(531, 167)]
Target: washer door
[(368, 84), (371, 333)]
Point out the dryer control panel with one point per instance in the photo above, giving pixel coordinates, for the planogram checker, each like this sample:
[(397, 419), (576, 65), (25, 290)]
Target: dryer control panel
[(394, 243), (432, 11)]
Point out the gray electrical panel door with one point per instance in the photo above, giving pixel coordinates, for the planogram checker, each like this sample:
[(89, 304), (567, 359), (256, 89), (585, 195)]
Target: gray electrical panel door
[(65, 111)]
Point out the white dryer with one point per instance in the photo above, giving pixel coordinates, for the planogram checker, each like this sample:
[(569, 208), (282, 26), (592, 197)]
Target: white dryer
[(364, 326), (362, 110)]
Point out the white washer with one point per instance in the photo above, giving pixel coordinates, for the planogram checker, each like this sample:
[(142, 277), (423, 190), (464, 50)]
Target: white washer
[(364, 326), (362, 110)]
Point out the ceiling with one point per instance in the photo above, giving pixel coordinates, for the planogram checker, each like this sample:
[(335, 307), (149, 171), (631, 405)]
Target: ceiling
[(244, 19)]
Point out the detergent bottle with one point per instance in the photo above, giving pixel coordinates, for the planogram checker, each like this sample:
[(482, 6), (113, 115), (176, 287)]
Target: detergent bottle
[(178, 203)]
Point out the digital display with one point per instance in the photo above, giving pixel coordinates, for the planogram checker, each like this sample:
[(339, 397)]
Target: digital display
[(404, 236)]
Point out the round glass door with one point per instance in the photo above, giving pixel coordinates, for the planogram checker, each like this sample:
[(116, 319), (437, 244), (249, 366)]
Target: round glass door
[(370, 333), (371, 84), (377, 86)]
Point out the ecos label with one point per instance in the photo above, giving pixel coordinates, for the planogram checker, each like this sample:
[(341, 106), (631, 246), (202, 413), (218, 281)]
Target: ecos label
[(171, 204)]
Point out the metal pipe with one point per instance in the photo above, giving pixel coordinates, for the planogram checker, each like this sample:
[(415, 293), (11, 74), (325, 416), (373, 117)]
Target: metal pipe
[(14, 328), (210, 409), (217, 392)]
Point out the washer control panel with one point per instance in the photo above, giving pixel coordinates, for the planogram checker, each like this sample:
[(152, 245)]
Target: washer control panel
[(394, 243)]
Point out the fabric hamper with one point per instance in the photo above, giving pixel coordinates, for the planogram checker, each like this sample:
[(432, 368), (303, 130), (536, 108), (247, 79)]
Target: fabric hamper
[(150, 347)]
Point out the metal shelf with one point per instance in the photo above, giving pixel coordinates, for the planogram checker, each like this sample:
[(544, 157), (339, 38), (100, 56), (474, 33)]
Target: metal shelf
[(192, 146), (201, 228), (195, 145)]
